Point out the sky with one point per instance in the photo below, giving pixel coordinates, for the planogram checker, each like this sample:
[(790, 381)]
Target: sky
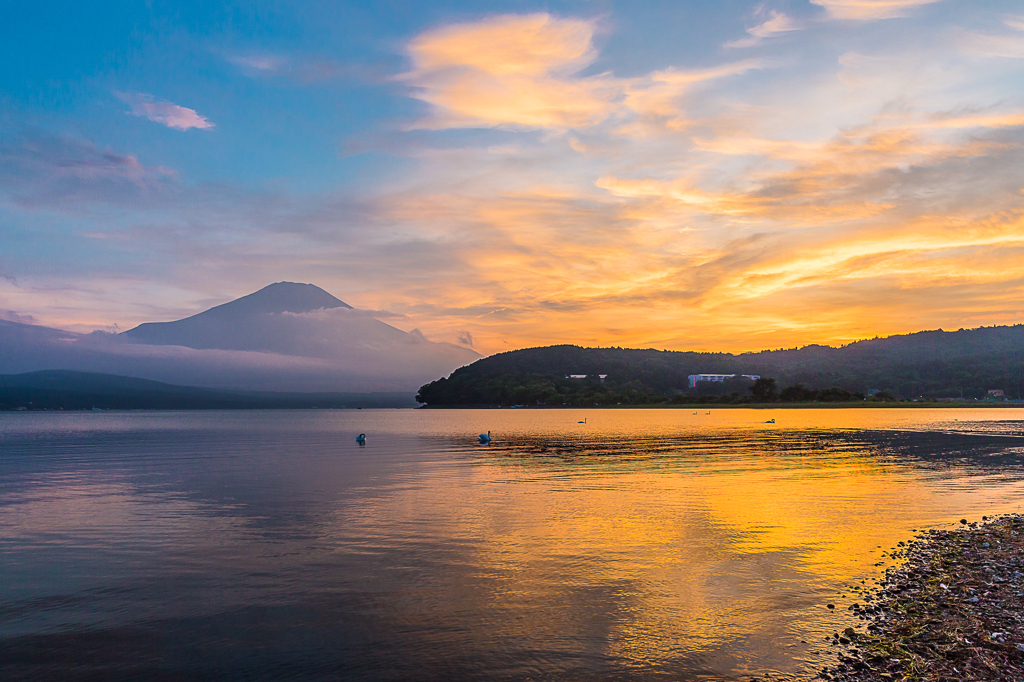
[(681, 175)]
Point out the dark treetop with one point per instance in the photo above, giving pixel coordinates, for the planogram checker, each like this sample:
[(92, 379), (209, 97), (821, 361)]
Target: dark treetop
[(964, 364)]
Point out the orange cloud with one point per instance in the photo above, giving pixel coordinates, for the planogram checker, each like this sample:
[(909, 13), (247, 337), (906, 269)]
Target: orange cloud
[(520, 71), (698, 262), (722, 206), (535, 44), (511, 70)]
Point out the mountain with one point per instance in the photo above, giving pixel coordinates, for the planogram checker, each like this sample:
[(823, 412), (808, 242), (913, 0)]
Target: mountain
[(291, 319), (930, 364), (222, 326), (284, 337), (65, 390)]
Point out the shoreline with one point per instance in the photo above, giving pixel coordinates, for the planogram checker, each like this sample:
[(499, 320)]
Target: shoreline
[(740, 406), (752, 406), (953, 610)]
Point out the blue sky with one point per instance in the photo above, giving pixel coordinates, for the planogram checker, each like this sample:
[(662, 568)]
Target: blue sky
[(681, 174)]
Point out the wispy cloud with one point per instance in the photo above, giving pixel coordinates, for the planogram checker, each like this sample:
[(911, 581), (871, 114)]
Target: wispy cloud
[(12, 316), (729, 211), (260, 62), (1007, 44), (521, 72), (776, 24), (694, 204), (509, 70), (301, 69), (166, 113), (39, 170), (870, 10)]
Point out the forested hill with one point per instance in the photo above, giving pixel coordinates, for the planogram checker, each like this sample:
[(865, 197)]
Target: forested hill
[(930, 364)]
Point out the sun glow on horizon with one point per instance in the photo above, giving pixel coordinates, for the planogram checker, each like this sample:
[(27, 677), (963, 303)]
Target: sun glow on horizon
[(540, 177)]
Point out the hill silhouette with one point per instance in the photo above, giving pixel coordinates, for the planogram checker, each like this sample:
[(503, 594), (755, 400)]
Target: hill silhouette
[(930, 364)]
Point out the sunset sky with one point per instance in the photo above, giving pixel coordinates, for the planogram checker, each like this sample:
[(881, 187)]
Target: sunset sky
[(682, 175)]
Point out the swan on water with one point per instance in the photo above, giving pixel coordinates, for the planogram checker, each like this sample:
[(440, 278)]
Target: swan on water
[(770, 421), (361, 439), (485, 438), (583, 422)]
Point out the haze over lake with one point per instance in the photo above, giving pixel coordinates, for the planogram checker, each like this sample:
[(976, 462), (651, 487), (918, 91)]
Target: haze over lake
[(644, 544)]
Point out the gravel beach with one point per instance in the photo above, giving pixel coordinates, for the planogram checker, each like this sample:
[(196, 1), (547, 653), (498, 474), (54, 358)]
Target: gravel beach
[(953, 610)]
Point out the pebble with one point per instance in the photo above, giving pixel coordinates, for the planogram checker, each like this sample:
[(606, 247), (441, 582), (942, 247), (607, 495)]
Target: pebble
[(948, 612)]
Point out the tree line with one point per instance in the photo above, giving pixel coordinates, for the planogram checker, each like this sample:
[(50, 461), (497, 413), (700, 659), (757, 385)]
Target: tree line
[(965, 364), (539, 390)]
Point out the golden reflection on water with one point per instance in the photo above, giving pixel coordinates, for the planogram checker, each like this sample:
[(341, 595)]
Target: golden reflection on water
[(696, 547), (643, 542)]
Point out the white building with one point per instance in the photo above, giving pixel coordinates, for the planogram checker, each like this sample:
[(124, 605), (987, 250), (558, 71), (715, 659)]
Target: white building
[(695, 378)]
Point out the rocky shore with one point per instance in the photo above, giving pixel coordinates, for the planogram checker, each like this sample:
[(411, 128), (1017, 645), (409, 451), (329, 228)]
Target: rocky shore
[(953, 610)]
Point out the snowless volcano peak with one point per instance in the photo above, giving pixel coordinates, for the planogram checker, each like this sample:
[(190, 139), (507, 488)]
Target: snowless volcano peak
[(281, 297), (242, 324)]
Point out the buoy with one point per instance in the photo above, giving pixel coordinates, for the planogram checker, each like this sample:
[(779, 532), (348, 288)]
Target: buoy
[(485, 438), (361, 439)]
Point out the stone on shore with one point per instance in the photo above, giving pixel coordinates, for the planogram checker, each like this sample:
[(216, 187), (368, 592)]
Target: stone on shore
[(953, 611)]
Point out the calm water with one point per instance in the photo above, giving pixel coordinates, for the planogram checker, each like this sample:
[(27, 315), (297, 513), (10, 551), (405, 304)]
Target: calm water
[(645, 544)]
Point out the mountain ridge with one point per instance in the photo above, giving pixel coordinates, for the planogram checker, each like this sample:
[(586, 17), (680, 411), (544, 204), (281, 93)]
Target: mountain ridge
[(931, 364)]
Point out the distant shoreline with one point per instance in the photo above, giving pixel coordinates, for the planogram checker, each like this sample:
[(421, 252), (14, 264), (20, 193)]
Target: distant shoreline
[(745, 406)]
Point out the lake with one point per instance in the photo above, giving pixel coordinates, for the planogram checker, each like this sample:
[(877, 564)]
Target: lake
[(643, 545)]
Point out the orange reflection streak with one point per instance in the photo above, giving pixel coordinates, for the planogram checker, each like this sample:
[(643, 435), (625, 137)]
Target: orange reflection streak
[(647, 536), (685, 550)]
